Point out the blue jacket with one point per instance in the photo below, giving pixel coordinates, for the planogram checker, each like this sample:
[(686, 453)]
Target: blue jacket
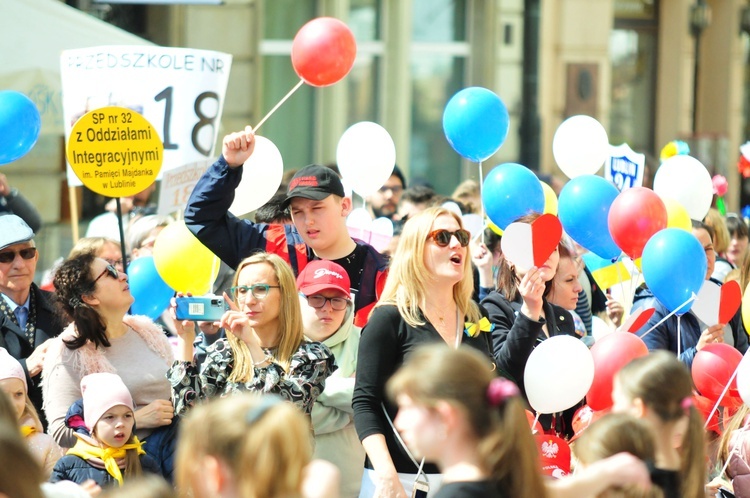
[(665, 335), (232, 239), (76, 469)]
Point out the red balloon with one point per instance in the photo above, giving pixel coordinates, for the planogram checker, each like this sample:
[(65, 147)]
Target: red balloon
[(713, 366), (611, 353), (705, 405), (635, 215), (323, 51), (583, 418)]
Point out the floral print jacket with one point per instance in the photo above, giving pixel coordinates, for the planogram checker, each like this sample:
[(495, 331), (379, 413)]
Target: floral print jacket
[(302, 384)]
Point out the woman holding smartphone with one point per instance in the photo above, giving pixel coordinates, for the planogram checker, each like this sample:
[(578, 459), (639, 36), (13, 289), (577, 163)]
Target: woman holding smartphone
[(264, 349)]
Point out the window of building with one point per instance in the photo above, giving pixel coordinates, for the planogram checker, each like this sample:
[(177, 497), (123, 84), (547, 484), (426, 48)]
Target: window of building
[(633, 51)]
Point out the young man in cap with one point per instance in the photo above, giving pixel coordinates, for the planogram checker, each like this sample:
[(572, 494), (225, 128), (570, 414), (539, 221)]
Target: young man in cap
[(328, 317), (27, 318), (318, 206)]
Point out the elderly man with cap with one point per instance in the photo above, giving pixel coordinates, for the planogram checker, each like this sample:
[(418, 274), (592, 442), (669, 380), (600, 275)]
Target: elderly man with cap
[(318, 206), (27, 317), (328, 317)]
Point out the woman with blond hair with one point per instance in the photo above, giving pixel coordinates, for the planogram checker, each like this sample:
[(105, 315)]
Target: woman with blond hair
[(246, 446), (427, 299), (455, 412), (264, 349)]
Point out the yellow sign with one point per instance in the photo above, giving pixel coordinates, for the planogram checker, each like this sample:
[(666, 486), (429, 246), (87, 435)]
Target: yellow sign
[(115, 151)]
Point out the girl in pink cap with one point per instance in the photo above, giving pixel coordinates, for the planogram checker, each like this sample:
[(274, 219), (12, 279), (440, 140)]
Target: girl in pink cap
[(13, 383), (112, 453)]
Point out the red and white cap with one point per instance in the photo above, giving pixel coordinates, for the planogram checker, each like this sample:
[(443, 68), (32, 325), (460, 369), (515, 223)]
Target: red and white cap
[(320, 275)]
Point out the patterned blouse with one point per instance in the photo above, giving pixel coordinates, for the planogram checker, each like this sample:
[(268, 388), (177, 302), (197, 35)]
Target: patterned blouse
[(310, 367)]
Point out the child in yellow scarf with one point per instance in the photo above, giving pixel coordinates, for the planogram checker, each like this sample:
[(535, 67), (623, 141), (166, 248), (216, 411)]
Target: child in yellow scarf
[(13, 383), (112, 453)]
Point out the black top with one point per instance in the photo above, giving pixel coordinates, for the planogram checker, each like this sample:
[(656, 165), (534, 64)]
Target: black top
[(514, 338), (386, 340), (667, 480), (478, 489)]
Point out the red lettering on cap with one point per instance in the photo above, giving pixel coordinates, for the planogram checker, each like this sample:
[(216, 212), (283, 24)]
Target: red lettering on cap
[(303, 181)]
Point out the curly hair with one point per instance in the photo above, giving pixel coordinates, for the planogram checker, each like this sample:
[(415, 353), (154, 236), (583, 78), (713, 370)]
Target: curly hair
[(72, 281)]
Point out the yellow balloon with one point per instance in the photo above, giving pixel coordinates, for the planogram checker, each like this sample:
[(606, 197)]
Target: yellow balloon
[(183, 262), (637, 263), (550, 199), (746, 309), (677, 216), (495, 228)]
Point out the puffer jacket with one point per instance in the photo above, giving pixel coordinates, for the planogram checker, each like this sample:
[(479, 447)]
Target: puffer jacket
[(76, 469)]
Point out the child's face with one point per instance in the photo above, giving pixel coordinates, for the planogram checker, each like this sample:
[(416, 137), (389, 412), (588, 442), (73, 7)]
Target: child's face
[(16, 392), (115, 426)]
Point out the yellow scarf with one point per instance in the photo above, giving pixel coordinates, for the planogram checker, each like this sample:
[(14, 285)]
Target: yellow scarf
[(107, 455), (27, 430)]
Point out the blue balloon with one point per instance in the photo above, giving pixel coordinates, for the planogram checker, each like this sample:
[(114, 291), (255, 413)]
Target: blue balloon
[(20, 124), (674, 267), (475, 122), (510, 191), (583, 209), (151, 293)]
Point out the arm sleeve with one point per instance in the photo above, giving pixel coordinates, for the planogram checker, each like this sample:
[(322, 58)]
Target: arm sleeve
[(513, 339), (208, 218), (61, 388), (376, 361), (311, 366), (191, 384), (59, 472), (24, 209)]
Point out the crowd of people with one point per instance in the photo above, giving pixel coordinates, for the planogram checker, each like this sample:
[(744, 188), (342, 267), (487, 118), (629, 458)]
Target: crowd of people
[(338, 370)]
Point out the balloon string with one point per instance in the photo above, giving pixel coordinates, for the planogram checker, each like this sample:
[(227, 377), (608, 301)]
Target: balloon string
[(723, 393), (536, 421), (283, 99), (691, 299), (481, 191), (679, 337)]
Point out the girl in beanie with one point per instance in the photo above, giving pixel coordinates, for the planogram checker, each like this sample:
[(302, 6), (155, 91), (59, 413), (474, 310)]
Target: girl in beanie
[(13, 383), (112, 452)]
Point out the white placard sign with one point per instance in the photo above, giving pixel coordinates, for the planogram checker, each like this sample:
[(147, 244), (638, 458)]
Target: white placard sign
[(177, 185), (179, 91), (624, 168)]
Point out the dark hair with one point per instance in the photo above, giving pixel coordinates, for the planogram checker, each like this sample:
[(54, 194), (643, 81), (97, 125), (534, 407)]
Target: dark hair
[(699, 225), (491, 239), (72, 281), (397, 172), (419, 194), (273, 211), (737, 227)]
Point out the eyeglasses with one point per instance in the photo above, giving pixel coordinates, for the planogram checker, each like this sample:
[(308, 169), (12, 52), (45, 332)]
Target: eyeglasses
[(10, 256), (443, 237), (259, 291), (114, 262), (317, 302), (396, 189), (108, 270)]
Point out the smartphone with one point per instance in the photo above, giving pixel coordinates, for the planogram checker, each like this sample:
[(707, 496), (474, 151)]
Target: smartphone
[(208, 308), (420, 489)]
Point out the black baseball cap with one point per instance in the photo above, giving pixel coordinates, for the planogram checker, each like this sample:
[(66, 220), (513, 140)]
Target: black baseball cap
[(314, 182)]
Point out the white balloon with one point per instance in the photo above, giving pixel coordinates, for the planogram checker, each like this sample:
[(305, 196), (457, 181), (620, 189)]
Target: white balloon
[(359, 224), (599, 328), (558, 374), (580, 146), (261, 177), (473, 223), (381, 233), (452, 207), (366, 156), (686, 180)]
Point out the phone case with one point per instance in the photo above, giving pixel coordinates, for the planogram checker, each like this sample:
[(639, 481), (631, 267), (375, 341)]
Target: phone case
[(201, 308)]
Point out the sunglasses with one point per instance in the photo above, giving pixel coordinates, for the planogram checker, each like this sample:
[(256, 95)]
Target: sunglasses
[(317, 302), (108, 270), (259, 291), (443, 237), (10, 256)]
